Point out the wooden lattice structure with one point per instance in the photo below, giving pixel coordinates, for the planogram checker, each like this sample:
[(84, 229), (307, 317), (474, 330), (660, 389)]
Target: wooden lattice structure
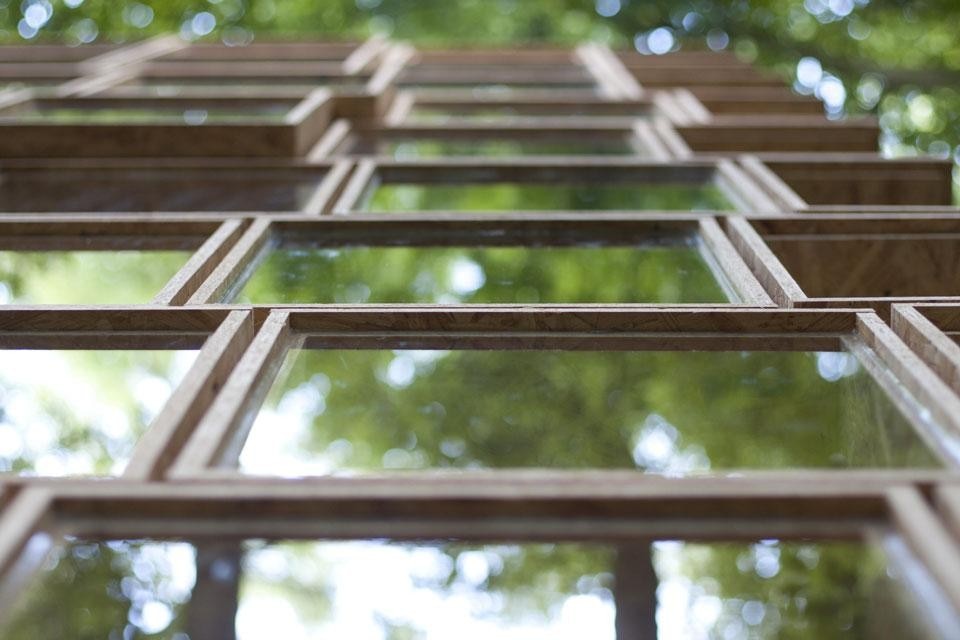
[(266, 167)]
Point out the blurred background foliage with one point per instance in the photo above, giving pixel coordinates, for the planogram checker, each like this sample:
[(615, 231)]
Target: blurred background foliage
[(899, 59)]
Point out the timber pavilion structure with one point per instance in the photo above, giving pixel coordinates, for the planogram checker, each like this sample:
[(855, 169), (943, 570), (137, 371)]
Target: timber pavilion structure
[(355, 339)]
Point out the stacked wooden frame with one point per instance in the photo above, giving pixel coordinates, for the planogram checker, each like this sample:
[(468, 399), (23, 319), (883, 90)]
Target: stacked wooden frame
[(828, 245)]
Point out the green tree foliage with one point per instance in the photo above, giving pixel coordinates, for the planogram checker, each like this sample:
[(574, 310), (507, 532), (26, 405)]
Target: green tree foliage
[(148, 590), (508, 196), (110, 590), (563, 275), (86, 277), (80, 412), (656, 411)]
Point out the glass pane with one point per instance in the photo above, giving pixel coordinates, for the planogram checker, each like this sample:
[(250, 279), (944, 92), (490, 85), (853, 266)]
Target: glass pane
[(121, 115), (653, 273), (507, 113), (80, 412), (238, 87), (674, 412), (86, 277), (543, 197), (261, 81), (499, 88), (436, 591), (143, 192), (36, 83), (431, 147)]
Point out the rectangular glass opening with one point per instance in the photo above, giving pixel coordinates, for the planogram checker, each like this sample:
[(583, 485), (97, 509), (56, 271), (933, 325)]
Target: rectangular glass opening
[(37, 83), (174, 86), (458, 589), (333, 411), (186, 113), (81, 412), (493, 112), (144, 191), (674, 271), (499, 88), (256, 54), (86, 277), (533, 196), (406, 148)]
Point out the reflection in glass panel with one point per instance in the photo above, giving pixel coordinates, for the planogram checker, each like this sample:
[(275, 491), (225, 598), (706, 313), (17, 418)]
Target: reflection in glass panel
[(507, 113), (80, 412), (432, 147), (13, 84), (197, 115), (505, 196), (86, 277), (145, 191), (240, 86), (241, 89), (673, 412), (435, 591), (488, 89), (649, 273)]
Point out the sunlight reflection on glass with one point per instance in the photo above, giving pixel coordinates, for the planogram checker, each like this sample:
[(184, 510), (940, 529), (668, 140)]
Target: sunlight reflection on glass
[(81, 412), (301, 590), (86, 277), (676, 413), (674, 271), (835, 365)]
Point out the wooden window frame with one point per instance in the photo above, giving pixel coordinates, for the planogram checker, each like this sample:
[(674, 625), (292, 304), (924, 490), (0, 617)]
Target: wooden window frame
[(302, 126), (694, 109), (932, 330), (747, 234), (694, 131), (220, 335), (220, 435), (38, 518), (508, 230), (208, 240)]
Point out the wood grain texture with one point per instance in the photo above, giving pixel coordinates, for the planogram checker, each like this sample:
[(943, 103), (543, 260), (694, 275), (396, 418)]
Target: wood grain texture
[(230, 412), (157, 448), (200, 265), (766, 266), (937, 349)]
